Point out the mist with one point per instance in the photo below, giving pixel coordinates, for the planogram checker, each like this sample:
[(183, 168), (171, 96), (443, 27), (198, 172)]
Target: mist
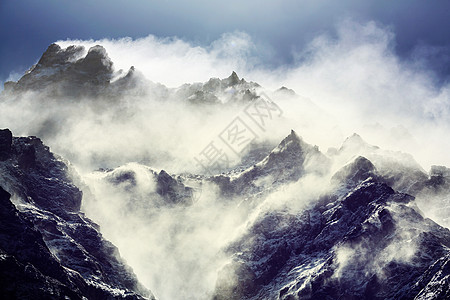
[(175, 251), (354, 76), (344, 83)]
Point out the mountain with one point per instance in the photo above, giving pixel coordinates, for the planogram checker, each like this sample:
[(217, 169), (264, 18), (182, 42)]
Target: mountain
[(362, 240), (217, 91), (49, 249), (291, 159), (358, 239), (289, 222), (75, 72)]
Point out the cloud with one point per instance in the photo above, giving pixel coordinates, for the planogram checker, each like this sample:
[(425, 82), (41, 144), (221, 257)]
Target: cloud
[(175, 251), (350, 81), (173, 61), (354, 75)]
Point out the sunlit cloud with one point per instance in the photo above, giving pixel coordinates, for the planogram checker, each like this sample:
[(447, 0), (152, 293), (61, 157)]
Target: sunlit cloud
[(352, 81)]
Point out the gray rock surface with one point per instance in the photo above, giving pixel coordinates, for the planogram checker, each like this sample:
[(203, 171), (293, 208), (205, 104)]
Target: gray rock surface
[(48, 248)]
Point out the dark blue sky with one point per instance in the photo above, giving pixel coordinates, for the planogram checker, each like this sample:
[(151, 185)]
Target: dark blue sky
[(27, 27)]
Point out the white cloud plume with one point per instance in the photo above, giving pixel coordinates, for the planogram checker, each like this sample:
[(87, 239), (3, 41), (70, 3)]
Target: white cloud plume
[(352, 82)]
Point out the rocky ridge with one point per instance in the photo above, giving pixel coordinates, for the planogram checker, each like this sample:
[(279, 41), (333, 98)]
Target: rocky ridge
[(49, 249), (75, 72), (359, 239)]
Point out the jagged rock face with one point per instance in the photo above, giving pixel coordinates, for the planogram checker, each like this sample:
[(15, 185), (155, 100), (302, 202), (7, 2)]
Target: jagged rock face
[(133, 182), (361, 240), (49, 249), (68, 72), (38, 174), (293, 154), (28, 269), (54, 56), (174, 191), (436, 281), (398, 169), (5, 144), (230, 90), (344, 247), (291, 159), (358, 170)]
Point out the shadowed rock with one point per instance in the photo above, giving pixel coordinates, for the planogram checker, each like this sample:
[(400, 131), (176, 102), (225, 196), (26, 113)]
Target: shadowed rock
[(5, 143), (48, 248), (355, 172)]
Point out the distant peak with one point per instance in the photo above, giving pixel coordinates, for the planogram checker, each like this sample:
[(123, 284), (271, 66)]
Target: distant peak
[(96, 62), (355, 143), (354, 139), (358, 170), (233, 79), (355, 136), (285, 90), (292, 140), (96, 53)]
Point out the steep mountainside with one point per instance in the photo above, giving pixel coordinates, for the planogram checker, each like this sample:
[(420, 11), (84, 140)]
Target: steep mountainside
[(358, 239), (49, 249), (361, 239)]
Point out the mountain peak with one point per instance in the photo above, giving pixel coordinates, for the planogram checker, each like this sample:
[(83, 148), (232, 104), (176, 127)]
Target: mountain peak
[(234, 76), (293, 140), (354, 138), (292, 152), (286, 91), (355, 142), (293, 135), (96, 62), (357, 171), (233, 79), (68, 71), (56, 56)]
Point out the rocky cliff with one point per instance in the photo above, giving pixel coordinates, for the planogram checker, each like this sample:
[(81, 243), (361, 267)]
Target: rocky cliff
[(49, 249)]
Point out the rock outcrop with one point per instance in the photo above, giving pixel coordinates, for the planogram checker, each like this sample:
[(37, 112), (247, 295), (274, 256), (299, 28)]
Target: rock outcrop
[(71, 72), (290, 160), (48, 248), (5, 144), (360, 240)]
